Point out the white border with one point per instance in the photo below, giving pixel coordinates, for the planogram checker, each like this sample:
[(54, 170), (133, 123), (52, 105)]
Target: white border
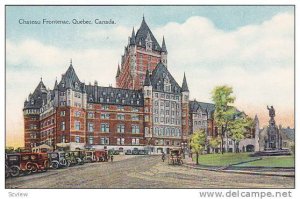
[(127, 193)]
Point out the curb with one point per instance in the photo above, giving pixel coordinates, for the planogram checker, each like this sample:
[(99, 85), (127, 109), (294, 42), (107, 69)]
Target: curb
[(239, 171)]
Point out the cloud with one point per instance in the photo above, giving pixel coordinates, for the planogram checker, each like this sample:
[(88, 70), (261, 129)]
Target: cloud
[(257, 60)]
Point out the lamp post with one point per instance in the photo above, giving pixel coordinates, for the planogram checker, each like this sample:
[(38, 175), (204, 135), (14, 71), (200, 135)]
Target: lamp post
[(183, 148)]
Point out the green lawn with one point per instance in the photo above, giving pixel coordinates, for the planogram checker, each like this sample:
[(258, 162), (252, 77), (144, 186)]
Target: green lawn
[(273, 161), (223, 159)]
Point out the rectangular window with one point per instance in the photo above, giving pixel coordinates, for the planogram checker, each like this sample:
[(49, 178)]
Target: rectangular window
[(62, 113), (105, 107), (121, 128), (77, 139), (77, 125), (120, 108), (77, 113), (120, 141), (105, 115), (121, 117), (135, 141), (135, 129), (134, 117), (62, 126), (91, 140), (63, 139), (105, 128), (104, 141), (90, 127), (134, 109), (91, 115)]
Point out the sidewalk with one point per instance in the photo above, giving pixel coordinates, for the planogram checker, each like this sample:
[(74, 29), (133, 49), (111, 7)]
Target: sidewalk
[(267, 171)]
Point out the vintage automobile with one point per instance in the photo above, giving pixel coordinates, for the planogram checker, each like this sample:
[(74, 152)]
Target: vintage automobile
[(57, 160), (89, 156), (142, 152), (135, 151), (17, 164), (128, 152), (175, 157), (101, 155), (39, 162), (78, 155), (70, 158)]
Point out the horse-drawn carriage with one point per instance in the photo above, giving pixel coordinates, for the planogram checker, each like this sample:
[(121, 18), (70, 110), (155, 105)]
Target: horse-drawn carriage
[(175, 157)]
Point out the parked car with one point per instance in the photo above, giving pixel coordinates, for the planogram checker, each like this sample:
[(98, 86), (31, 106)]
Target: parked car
[(142, 152), (78, 155), (39, 162), (113, 152), (128, 152), (89, 156), (70, 158), (18, 164), (101, 155), (135, 151), (58, 160)]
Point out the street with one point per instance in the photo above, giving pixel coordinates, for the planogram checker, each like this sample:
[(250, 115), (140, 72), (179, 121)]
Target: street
[(143, 172)]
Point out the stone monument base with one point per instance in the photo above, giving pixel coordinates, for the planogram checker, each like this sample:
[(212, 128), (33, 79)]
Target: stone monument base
[(273, 152)]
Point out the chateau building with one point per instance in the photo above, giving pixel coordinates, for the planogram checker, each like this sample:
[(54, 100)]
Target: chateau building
[(148, 109)]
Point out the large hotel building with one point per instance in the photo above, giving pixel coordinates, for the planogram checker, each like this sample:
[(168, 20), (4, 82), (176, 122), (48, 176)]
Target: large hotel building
[(148, 109)]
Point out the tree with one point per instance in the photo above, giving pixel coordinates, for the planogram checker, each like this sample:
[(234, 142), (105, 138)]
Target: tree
[(239, 127), (214, 142), (224, 111), (197, 143)]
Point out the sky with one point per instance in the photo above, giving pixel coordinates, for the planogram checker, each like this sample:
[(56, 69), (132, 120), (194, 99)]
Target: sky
[(250, 48)]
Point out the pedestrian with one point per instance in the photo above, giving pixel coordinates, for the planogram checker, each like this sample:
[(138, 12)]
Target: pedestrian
[(112, 158), (163, 156)]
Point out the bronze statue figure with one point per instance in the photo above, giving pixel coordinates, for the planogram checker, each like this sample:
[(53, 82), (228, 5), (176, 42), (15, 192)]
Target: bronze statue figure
[(271, 111)]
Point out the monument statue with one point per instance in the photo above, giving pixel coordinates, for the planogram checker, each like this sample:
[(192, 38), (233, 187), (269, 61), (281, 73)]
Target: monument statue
[(271, 111)]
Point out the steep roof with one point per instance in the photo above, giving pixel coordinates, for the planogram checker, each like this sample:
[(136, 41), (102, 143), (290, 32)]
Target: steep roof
[(184, 87), (163, 46), (37, 97), (116, 96), (141, 36), (70, 80), (159, 75)]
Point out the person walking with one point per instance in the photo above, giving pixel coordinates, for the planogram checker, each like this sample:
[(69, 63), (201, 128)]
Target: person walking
[(112, 158), (163, 156)]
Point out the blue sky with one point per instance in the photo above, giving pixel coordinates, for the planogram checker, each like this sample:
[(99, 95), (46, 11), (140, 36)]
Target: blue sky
[(226, 18), (250, 48)]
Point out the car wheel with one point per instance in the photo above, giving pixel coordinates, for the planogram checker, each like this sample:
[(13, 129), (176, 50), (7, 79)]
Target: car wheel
[(34, 168), (14, 171), (55, 165)]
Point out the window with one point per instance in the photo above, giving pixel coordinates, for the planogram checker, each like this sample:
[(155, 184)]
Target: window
[(62, 113), (91, 115), (134, 109), (63, 139), (91, 140), (105, 127), (77, 139), (120, 108), (62, 126), (77, 113), (161, 131), (120, 116), (120, 141), (146, 118), (104, 141), (121, 128), (105, 115), (135, 129), (156, 119), (62, 93), (77, 125), (135, 141), (90, 127), (134, 117), (105, 107)]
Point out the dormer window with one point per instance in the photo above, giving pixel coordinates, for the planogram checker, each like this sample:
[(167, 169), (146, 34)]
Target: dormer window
[(63, 85), (76, 85), (32, 101)]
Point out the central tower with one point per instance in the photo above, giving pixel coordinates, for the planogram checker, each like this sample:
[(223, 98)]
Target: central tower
[(142, 53)]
